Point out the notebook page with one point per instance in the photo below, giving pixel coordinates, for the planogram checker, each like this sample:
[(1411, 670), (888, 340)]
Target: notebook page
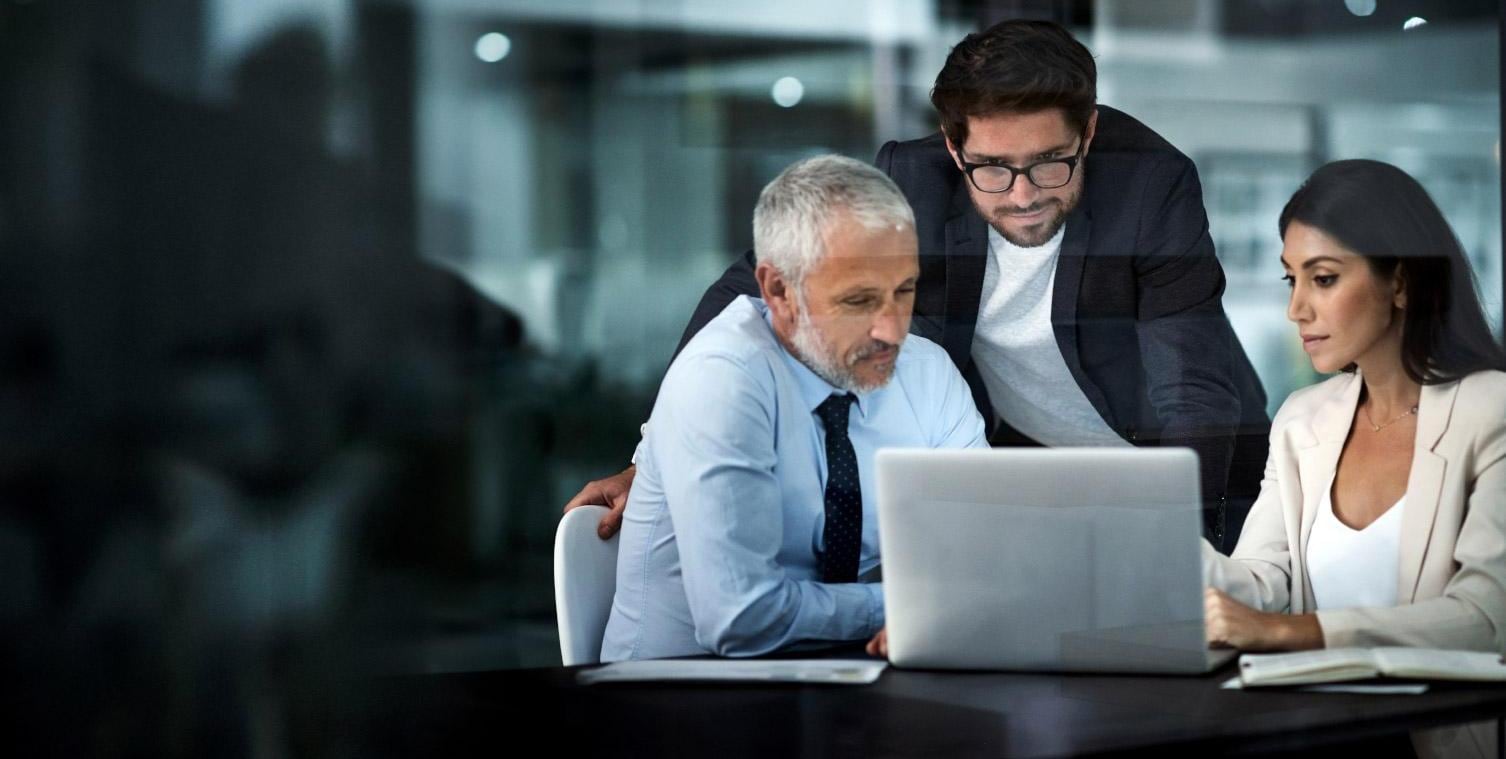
[(1440, 664)]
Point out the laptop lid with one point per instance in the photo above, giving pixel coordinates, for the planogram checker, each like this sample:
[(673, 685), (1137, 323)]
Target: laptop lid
[(1061, 559)]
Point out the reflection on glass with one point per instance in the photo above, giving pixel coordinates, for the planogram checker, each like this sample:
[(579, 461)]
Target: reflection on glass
[(316, 313)]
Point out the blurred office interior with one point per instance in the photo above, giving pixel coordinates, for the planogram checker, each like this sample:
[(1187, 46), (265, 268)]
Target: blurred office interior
[(313, 313)]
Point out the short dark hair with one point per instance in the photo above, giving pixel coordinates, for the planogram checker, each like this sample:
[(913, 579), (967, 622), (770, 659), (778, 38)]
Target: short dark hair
[(1383, 214), (1015, 66)]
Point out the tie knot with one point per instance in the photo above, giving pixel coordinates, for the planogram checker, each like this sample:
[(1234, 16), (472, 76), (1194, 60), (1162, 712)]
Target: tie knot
[(833, 410)]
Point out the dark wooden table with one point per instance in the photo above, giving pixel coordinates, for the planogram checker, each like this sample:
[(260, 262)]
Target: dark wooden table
[(906, 713)]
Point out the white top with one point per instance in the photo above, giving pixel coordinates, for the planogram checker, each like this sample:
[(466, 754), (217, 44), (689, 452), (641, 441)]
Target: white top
[(1017, 354), (1351, 568)]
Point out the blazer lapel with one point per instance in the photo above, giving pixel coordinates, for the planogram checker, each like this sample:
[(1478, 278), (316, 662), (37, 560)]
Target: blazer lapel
[(1317, 461), (966, 248), (1070, 263), (1424, 485)]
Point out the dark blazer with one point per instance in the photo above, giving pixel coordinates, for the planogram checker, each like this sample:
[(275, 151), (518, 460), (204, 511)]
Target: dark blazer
[(1136, 307)]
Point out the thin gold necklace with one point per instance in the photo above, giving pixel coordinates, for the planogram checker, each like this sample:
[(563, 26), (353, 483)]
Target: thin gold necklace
[(1378, 427)]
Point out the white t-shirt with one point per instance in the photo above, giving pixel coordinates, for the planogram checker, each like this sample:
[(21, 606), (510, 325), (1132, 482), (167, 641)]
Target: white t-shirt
[(1017, 355), (1351, 568)]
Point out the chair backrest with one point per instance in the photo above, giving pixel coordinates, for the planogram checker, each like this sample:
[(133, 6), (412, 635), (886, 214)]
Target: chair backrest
[(585, 578)]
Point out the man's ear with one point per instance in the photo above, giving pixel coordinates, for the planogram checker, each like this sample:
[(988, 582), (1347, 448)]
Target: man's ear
[(1092, 129), (776, 292), (952, 150)]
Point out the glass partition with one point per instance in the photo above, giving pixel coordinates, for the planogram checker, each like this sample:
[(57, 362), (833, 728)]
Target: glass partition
[(316, 313)]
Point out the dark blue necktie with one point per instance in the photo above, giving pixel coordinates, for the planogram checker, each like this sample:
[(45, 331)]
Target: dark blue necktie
[(844, 495)]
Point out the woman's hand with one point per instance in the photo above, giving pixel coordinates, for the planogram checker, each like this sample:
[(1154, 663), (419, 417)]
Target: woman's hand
[(1230, 624)]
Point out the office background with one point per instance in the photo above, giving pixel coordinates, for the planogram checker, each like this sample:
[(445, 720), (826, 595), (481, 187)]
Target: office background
[(314, 312)]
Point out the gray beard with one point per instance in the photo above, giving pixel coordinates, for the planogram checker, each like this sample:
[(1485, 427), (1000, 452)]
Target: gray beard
[(813, 351)]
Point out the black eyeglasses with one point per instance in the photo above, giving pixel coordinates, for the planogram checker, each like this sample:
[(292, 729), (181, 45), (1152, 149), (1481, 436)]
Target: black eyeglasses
[(997, 177)]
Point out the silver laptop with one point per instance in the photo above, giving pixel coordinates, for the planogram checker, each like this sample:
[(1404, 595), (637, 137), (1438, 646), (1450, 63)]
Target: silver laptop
[(1065, 559)]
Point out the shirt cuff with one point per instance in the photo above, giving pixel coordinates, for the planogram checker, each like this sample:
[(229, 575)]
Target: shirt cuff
[(875, 607)]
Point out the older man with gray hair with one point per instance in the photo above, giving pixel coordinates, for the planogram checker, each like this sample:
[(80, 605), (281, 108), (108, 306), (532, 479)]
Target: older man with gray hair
[(751, 523)]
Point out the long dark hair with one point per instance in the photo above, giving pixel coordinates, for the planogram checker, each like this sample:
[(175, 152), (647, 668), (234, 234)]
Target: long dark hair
[(1383, 214)]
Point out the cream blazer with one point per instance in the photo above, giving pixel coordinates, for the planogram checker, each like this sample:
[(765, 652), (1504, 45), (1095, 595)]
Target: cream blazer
[(1451, 587)]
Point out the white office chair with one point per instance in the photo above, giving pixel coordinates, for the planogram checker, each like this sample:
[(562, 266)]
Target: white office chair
[(585, 577)]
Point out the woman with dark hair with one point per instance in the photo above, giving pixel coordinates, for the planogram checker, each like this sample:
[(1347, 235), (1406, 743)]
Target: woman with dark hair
[(1382, 516)]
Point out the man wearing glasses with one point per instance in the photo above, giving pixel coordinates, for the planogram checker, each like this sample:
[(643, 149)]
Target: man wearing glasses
[(1066, 268)]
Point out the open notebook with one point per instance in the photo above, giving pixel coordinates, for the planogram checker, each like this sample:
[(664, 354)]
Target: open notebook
[(1347, 664)]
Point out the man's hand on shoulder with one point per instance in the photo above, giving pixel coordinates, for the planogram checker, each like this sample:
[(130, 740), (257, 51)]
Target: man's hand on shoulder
[(611, 492)]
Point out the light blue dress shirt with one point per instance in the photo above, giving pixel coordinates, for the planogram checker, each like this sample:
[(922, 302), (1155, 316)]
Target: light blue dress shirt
[(719, 542)]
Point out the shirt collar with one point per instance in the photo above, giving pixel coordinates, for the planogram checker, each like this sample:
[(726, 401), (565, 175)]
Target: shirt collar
[(813, 390)]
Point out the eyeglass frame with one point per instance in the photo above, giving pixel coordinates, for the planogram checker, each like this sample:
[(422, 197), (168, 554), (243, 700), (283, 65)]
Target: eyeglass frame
[(1015, 172)]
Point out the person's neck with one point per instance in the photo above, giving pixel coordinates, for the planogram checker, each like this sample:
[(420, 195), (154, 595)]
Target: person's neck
[(1389, 392)]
